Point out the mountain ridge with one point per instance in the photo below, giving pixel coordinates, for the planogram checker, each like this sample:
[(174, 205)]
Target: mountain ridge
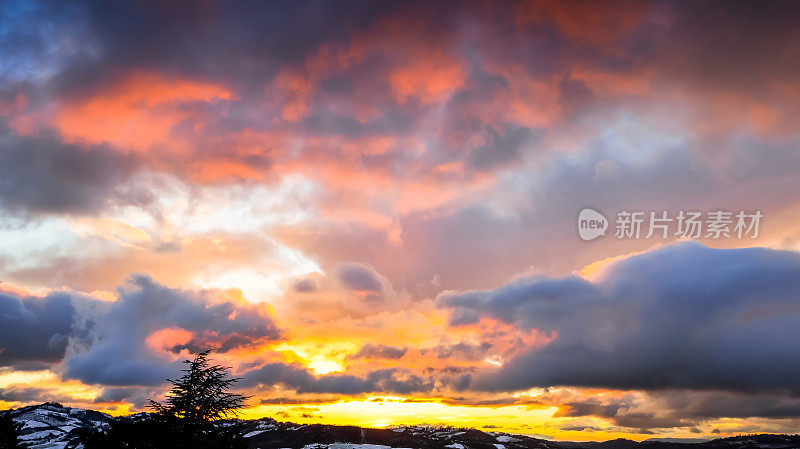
[(53, 426)]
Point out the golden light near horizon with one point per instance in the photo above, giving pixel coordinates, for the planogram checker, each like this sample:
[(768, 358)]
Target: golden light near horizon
[(382, 411)]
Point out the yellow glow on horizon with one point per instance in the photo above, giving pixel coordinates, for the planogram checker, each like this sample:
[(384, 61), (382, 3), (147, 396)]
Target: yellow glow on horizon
[(382, 411), (72, 390)]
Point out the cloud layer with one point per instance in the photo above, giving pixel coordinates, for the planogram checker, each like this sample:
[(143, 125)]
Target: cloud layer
[(34, 329), (685, 316)]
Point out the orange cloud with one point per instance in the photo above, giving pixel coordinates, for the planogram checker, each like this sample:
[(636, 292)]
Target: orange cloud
[(137, 112), (165, 339), (430, 77), (297, 85)]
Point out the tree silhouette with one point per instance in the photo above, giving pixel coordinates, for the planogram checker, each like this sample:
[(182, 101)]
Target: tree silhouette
[(189, 418), (201, 395)]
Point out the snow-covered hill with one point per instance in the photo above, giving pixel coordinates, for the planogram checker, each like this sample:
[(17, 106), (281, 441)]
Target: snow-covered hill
[(52, 426)]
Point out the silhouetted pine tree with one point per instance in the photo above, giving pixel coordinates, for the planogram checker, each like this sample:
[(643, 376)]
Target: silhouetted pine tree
[(201, 395), (189, 417)]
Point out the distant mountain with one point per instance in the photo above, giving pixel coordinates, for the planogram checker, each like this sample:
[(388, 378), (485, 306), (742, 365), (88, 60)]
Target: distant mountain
[(763, 441), (53, 426), (272, 434)]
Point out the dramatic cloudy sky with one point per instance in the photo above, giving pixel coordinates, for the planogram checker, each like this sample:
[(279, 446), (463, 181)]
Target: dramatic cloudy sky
[(369, 209)]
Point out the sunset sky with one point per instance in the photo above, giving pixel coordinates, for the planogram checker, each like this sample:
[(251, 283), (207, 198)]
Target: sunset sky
[(370, 210)]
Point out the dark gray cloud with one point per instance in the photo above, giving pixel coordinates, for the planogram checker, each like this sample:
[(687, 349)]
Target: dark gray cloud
[(42, 174), (682, 408), (371, 351), (685, 316), (462, 350), (701, 405), (137, 396), (299, 378), (646, 421), (112, 348), (25, 394), (34, 329), (306, 285), (244, 42), (736, 48), (591, 407), (359, 277), (503, 149)]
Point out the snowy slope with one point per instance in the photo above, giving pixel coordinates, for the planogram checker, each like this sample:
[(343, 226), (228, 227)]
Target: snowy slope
[(52, 425)]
